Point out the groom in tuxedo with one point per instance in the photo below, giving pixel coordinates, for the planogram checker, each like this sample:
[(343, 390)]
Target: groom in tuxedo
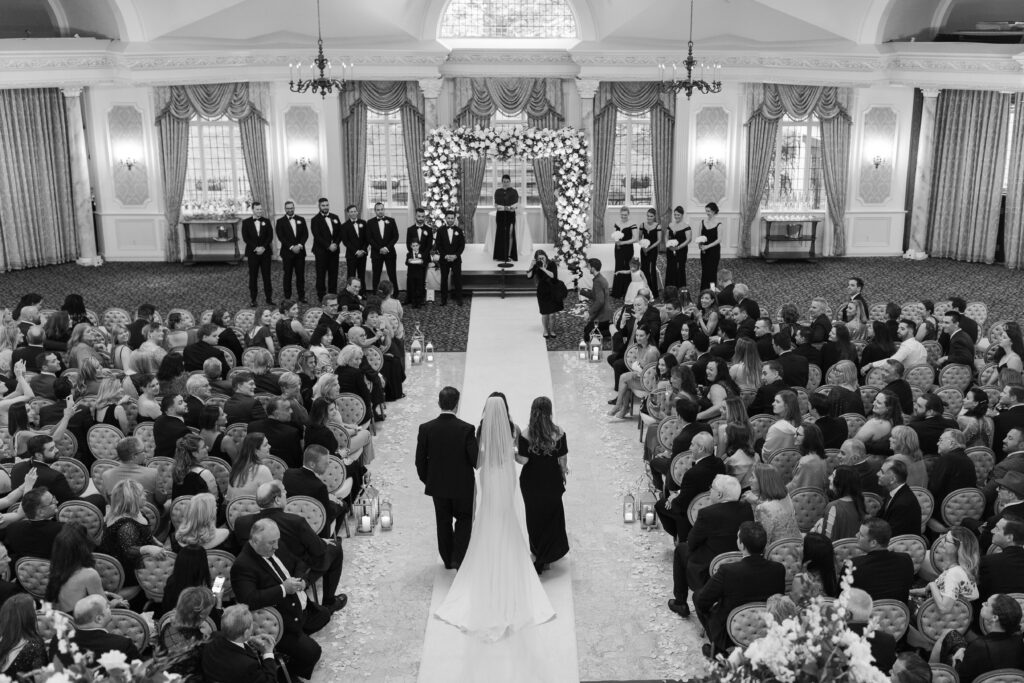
[(446, 450)]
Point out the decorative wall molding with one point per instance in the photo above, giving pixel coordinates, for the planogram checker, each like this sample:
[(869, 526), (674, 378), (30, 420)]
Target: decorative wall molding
[(431, 87), (302, 138), (587, 87), (125, 131), (711, 133), (880, 124)]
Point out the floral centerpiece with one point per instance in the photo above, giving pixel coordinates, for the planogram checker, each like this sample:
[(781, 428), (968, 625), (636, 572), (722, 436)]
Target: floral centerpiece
[(567, 147), (217, 209), (815, 646)]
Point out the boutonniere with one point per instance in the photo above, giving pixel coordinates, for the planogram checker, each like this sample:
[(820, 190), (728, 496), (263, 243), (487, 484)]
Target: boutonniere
[(335, 220)]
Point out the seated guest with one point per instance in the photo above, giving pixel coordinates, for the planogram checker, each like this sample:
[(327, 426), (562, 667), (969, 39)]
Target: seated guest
[(226, 336), (794, 366), (910, 352), (672, 511), (821, 326), (329, 389), (803, 346), (1010, 415), (331, 319), (712, 534), (746, 365), (138, 328), (1003, 572), (811, 470), (752, 579), (687, 410), (952, 470), (108, 409), (852, 453), (838, 347), (183, 636), (260, 335), (885, 414), (199, 525), (22, 649), (148, 387), (1013, 447), (196, 354), (306, 481), (739, 454), (349, 298), (900, 507), (957, 345), (176, 338), (42, 384), (132, 458), (834, 429), (929, 421), (235, 653), (171, 374), (879, 348), (29, 353), (819, 565), (357, 336), (189, 475), (73, 572), (905, 447), (170, 426), (892, 373), (285, 436), (243, 406), (41, 453), (973, 419), (350, 377), (212, 421), (247, 471), (265, 576), (1000, 645), (34, 535), (782, 433), (319, 341), (128, 535), (319, 434), (215, 372), (910, 668), (884, 574), (883, 645), (260, 364), (1009, 501), (191, 570), (91, 615), (148, 356), (763, 332), (291, 389), (843, 515), (290, 331), (959, 549), (720, 387), (845, 394), (771, 384), (197, 391), (773, 508), (743, 300)]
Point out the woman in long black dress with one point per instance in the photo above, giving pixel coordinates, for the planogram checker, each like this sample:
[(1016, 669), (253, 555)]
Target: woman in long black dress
[(675, 255), (650, 231), (546, 273), (544, 455), (623, 252), (710, 246)]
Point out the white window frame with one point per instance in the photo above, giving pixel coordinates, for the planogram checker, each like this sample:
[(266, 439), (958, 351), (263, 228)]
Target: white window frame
[(623, 165), (807, 197), (400, 174), (239, 175)]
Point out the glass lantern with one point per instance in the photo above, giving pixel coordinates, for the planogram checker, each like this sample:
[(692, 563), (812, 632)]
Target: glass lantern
[(629, 508), (648, 516), (363, 510), (416, 346), (596, 342), (430, 352), (583, 349), (387, 516)]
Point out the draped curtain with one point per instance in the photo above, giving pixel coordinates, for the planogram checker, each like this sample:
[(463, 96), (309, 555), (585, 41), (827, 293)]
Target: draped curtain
[(768, 103), (967, 181), (632, 98), (241, 102), (1014, 233), (356, 99), (37, 212), (476, 101)]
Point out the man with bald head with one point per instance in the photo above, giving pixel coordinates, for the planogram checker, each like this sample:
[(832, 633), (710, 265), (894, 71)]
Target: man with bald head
[(672, 510), (34, 337), (92, 614), (266, 575)]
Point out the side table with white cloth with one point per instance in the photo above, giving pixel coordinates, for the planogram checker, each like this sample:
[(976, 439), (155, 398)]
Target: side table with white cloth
[(524, 241)]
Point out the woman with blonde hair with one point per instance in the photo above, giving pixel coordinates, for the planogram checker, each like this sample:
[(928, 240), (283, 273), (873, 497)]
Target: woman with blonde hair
[(120, 352), (746, 365), (773, 508), (184, 634), (108, 409), (959, 581), (906, 446), (79, 347), (88, 381), (128, 535), (199, 525), (845, 394), (734, 412)]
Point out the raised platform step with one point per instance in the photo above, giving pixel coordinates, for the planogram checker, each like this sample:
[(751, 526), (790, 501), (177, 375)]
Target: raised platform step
[(493, 282)]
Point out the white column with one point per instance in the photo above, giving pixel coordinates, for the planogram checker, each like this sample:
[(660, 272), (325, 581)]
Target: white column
[(81, 186), (587, 88), (920, 217), (431, 88)]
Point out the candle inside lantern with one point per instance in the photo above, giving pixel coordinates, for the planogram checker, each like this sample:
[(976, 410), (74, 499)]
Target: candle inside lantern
[(629, 515), (385, 521), (649, 519), (364, 523)]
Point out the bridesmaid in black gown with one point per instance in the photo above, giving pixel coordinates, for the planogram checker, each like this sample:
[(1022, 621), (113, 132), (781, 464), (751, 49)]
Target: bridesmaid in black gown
[(650, 231), (544, 455), (623, 252)]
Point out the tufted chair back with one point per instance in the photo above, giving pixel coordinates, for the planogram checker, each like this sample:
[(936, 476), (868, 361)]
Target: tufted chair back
[(164, 474), (74, 471), (957, 376), (724, 558), (961, 504), (668, 429), (984, 460), (746, 624), (179, 506), (111, 572), (239, 507), (374, 357), (932, 623), (268, 620), (340, 434), (922, 376), (680, 463), (943, 673), (86, 514), (335, 474), (152, 574), (845, 549), (124, 622), (276, 465), (926, 501), (790, 553), (309, 509), (220, 562), (100, 466), (33, 574), (759, 425), (352, 408), (144, 432), (1001, 676), (893, 616), (102, 440), (912, 545), (809, 503), (699, 502), (221, 471), (784, 461), (854, 422)]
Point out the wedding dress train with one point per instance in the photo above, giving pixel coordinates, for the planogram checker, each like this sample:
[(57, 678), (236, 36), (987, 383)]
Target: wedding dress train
[(497, 590)]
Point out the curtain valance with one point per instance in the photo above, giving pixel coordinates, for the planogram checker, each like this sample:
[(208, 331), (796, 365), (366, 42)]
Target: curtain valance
[(481, 97), (633, 97), (381, 96), (774, 100), (213, 100)]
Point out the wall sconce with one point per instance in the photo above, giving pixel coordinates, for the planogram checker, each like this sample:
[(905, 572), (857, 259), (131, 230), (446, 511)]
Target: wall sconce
[(877, 160), (710, 162), (303, 162), (128, 162)]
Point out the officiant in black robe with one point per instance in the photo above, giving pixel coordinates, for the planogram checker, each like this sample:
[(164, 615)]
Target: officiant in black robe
[(506, 201)]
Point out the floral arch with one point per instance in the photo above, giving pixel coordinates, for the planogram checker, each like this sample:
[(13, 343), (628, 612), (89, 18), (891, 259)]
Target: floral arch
[(567, 147)]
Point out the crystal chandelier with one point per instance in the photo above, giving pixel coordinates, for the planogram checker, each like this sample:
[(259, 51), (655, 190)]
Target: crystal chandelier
[(322, 80), (689, 85)]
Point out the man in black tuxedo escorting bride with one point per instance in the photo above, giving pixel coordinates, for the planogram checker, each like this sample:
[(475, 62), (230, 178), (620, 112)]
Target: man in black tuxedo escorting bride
[(446, 453)]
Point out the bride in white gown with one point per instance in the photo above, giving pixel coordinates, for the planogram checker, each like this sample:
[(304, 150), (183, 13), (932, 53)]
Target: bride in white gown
[(496, 590)]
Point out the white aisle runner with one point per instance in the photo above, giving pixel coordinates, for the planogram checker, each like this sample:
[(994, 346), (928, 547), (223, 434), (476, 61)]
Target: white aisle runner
[(506, 353)]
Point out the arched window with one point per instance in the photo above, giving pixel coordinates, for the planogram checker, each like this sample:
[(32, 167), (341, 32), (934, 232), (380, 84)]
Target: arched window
[(525, 19)]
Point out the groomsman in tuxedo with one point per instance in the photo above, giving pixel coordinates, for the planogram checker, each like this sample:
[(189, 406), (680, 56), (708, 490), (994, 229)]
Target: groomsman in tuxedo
[(357, 244), (419, 240), (326, 229), (383, 234), (446, 450), (259, 247), (292, 233), (450, 242)]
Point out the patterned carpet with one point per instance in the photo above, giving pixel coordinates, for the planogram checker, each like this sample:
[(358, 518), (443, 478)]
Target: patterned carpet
[(170, 285)]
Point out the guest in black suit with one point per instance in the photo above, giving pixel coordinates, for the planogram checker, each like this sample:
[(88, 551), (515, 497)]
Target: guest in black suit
[(834, 430), (953, 470), (42, 384), (323, 559), (929, 421), (284, 435), (419, 240), (1000, 646), (357, 245), (752, 579), (41, 452), (292, 233), (243, 406), (892, 373), (137, 330), (763, 337), (884, 574), (259, 248), (326, 229), (957, 345), (726, 297), (170, 426), (446, 450), (855, 292), (306, 481), (1010, 416), (34, 535), (803, 346), (450, 242), (264, 575), (771, 384), (383, 236), (92, 614), (883, 644), (794, 366), (198, 389), (1003, 572), (34, 337), (637, 314), (900, 507), (712, 534), (672, 510), (867, 466), (235, 654), (1009, 500), (195, 355)]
